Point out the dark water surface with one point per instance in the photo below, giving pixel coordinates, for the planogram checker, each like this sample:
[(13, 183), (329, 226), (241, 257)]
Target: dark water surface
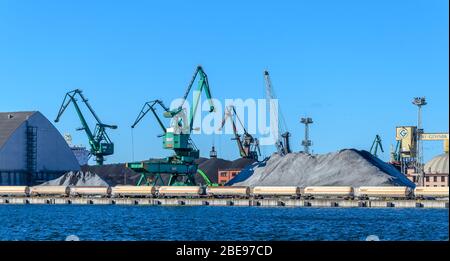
[(123, 223)]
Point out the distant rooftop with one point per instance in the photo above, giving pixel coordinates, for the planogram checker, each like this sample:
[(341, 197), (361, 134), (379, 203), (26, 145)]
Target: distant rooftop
[(437, 165), (10, 121)]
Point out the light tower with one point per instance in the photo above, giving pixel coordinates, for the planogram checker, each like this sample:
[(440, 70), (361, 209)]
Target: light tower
[(213, 152), (419, 102), (306, 143)]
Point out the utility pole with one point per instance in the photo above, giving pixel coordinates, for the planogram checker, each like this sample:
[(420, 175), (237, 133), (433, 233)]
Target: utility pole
[(306, 143), (419, 102)]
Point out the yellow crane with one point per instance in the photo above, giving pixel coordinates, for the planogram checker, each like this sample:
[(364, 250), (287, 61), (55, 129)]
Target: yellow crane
[(407, 144), (436, 136)]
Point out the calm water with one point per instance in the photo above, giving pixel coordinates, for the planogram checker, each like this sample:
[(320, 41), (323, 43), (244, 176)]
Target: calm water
[(43, 222)]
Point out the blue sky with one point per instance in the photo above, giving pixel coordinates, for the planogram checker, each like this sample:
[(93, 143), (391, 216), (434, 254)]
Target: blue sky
[(353, 66)]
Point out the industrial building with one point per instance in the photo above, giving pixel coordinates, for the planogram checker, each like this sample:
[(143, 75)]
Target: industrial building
[(225, 175), (436, 171), (408, 154), (32, 150)]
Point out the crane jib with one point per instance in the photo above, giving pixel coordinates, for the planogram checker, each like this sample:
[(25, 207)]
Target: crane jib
[(98, 139)]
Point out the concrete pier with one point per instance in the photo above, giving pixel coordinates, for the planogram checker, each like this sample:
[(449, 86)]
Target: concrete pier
[(273, 202)]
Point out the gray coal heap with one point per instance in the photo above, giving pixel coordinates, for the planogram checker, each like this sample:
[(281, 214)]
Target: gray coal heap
[(348, 167)]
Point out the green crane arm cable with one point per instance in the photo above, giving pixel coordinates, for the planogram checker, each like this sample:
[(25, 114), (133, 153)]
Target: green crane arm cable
[(205, 177)]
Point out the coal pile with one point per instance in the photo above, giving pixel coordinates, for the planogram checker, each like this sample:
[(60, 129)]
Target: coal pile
[(212, 165), (348, 167), (78, 178), (118, 174), (114, 174), (201, 160), (241, 163)]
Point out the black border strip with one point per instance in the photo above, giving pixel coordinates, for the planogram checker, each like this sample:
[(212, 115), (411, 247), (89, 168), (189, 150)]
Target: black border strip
[(152, 249)]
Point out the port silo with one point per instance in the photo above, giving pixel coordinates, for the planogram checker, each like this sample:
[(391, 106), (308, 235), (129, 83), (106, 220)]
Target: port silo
[(32, 150)]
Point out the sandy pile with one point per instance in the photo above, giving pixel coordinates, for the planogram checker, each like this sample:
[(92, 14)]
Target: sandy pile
[(78, 178), (114, 174), (348, 167)]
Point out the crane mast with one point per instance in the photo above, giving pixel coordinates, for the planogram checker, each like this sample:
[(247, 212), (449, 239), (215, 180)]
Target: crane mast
[(99, 141), (282, 143)]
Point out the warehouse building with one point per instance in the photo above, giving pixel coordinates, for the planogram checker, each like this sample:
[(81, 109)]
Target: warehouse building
[(32, 150)]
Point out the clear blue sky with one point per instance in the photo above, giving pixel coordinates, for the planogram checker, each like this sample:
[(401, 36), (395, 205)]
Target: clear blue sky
[(353, 66)]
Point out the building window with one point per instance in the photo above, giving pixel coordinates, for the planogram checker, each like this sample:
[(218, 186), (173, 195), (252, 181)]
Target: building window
[(435, 185), (435, 179), (223, 174), (443, 179), (428, 179)]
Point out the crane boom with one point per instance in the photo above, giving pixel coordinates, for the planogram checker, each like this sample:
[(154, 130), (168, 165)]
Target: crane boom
[(237, 137), (203, 84), (282, 139), (375, 145), (70, 98), (150, 106), (99, 140), (203, 81), (248, 146)]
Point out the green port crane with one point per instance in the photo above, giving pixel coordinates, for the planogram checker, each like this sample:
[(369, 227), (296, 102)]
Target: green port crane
[(375, 145), (247, 145), (395, 159), (181, 166), (99, 141), (395, 153)]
